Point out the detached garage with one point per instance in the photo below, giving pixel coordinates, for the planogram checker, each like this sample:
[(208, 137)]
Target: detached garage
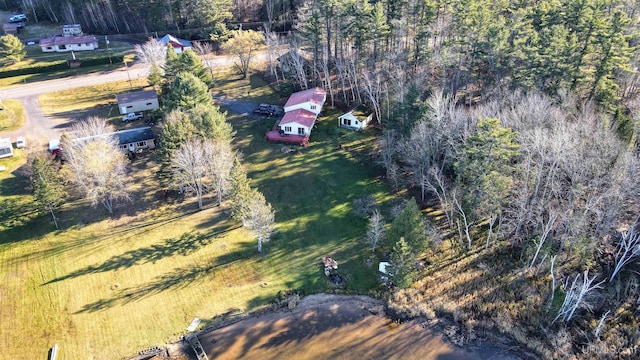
[(137, 101)]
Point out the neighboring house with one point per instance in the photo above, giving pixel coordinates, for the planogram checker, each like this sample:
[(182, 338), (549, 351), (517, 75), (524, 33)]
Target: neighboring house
[(11, 29), (57, 43), (356, 119), (311, 100), (6, 149), (136, 140), (71, 30), (132, 140), (300, 114), (137, 101), (179, 45)]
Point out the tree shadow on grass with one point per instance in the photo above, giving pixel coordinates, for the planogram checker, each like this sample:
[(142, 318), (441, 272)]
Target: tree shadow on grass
[(177, 279), (184, 245)]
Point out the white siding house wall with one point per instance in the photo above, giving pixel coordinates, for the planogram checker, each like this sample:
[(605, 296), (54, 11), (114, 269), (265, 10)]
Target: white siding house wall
[(70, 47), (309, 106), (136, 106), (294, 128), (139, 145)]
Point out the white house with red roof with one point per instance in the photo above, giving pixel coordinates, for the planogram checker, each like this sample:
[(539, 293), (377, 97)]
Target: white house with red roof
[(58, 43), (310, 100), (297, 122), (300, 114)]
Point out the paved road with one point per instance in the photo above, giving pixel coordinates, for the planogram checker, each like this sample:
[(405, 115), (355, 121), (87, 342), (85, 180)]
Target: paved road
[(39, 128)]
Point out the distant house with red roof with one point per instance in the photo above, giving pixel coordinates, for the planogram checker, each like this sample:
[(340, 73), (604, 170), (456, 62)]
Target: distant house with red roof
[(179, 45), (58, 43), (300, 114)]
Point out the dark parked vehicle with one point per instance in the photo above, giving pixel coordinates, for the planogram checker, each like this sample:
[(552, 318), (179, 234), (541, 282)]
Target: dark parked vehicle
[(267, 110)]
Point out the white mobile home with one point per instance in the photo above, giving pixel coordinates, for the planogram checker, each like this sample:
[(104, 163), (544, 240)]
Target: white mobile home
[(136, 140), (137, 101), (57, 43), (6, 149), (72, 30)]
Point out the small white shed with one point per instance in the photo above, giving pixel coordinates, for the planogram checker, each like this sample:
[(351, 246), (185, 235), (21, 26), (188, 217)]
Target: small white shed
[(357, 118), (382, 267)]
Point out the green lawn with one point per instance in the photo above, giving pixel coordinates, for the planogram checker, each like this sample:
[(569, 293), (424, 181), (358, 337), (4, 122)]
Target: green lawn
[(98, 100), (35, 57), (106, 287), (11, 115)]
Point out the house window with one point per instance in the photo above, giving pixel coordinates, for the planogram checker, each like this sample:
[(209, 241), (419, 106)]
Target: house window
[(123, 147), (49, 48), (313, 107), (300, 131), (148, 104), (142, 143), (287, 128), (347, 122), (129, 107)]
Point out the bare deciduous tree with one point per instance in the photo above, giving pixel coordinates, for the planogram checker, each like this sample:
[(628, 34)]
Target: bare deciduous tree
[(546, 229), (628, 248), (202, 47), (465, 220), (577, 296), (419, 152), (190, 168), (97, 166), (219, 159), (261, 219), (295, 63), (376, 230), (373, 89), (151, 52), (388, 147), (273, 44)]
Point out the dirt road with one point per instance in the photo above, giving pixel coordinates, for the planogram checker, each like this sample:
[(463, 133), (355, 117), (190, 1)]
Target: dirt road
[(326, 326)]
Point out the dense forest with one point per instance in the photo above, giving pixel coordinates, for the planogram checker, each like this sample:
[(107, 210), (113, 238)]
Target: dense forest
[(516, 120)]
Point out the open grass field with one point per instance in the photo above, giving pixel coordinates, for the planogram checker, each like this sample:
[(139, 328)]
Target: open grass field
[(99, 100), (106, 287), (11, 115)]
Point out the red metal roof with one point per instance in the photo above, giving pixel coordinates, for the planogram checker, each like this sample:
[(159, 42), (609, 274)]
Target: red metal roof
[(299, 116), (315, 95), (67, 40)]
